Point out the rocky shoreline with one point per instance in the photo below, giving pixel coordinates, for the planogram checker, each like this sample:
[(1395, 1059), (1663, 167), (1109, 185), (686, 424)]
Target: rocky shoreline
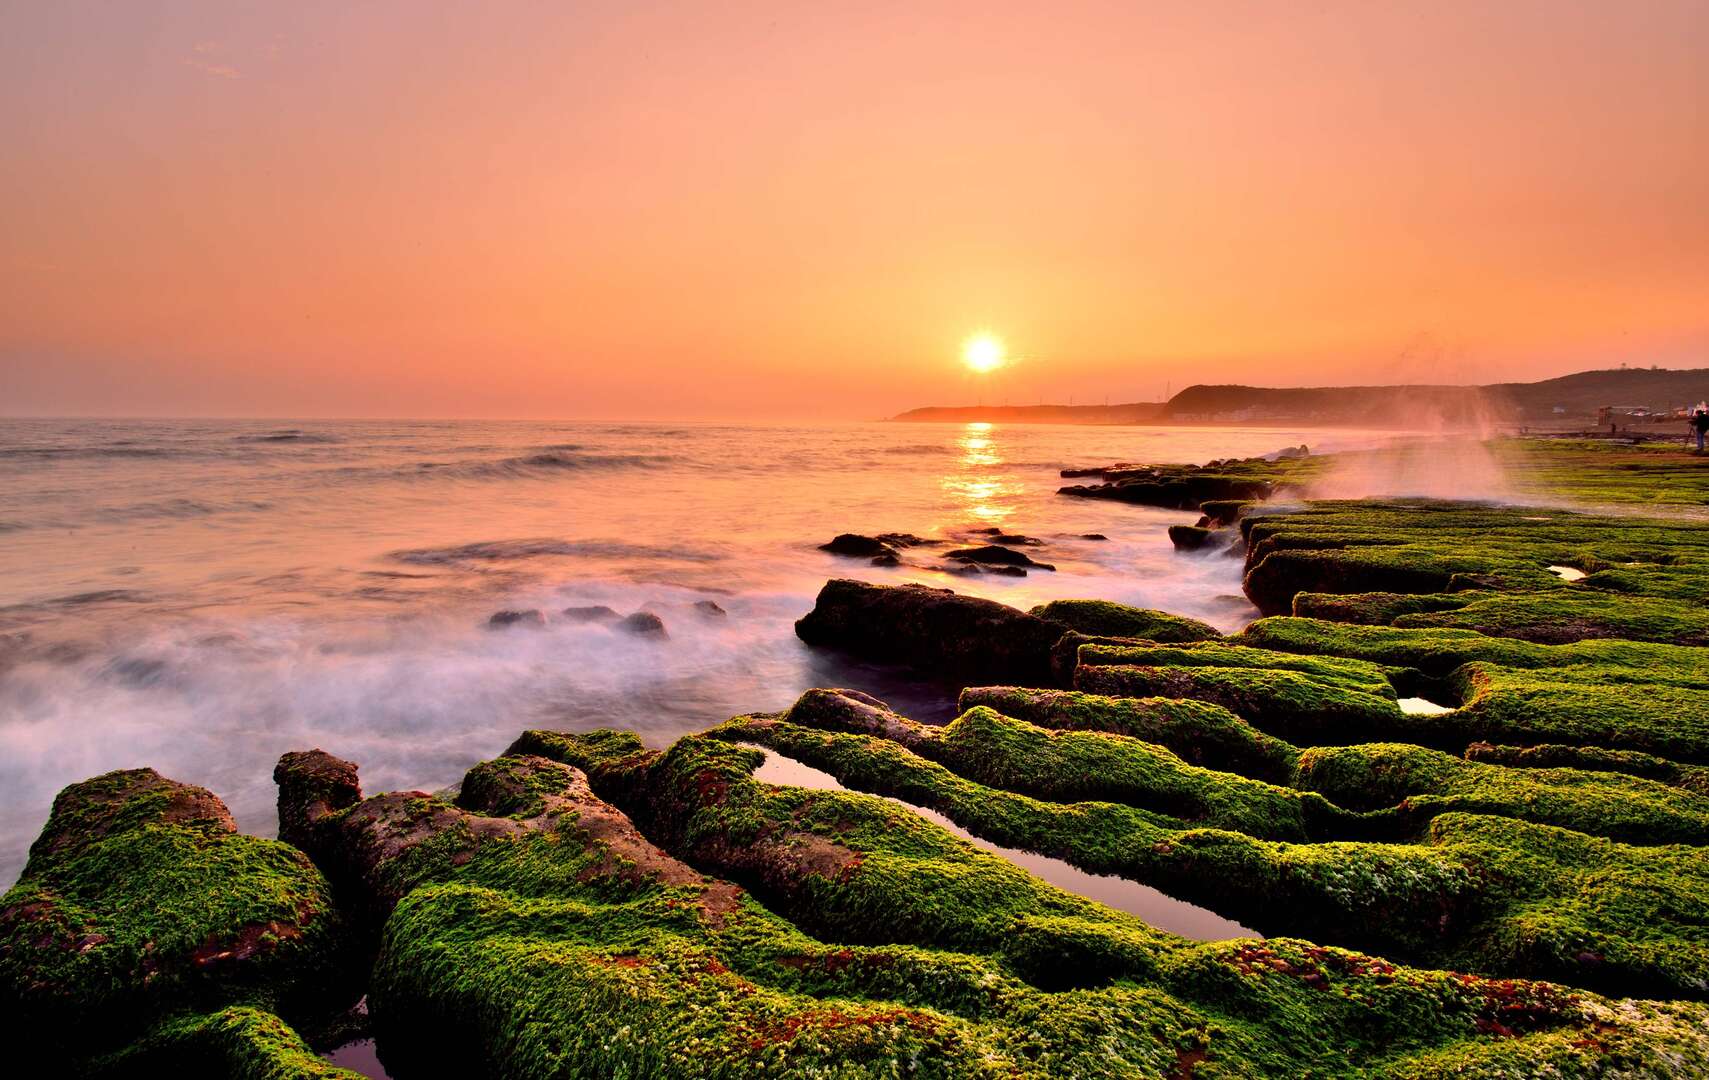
[(1458, 776)]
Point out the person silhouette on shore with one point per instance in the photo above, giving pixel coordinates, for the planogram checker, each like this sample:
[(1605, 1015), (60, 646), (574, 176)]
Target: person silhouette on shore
[(1700, 425)]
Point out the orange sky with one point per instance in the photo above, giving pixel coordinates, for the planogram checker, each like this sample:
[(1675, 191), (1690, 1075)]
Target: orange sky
[(801, 209)]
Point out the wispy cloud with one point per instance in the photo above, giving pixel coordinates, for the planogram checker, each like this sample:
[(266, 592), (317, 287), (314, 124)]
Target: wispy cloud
[(206, 60), (223, 71)]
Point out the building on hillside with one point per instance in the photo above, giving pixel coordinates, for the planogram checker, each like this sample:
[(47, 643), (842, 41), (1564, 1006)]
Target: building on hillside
[(1622, 414)]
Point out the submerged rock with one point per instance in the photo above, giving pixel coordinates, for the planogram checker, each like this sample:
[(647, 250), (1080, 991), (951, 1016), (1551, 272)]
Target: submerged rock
[(596, 613), (642, 624), (140, 900), (886, 560), (932, 630), (1190, 537), (1093, 536), (996, 555), (531, 618), (907, 540), (710, 608)]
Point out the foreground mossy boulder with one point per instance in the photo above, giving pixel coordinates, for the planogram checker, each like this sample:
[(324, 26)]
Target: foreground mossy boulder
[(141, 904), (531, 929)]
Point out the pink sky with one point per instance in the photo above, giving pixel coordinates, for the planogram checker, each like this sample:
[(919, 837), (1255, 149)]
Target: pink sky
[(801, 210)]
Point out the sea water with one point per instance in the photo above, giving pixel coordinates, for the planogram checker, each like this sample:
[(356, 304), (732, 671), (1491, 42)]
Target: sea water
[(201, 596)]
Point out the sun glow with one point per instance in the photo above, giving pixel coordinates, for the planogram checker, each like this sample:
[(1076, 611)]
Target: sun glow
[(983, 353)]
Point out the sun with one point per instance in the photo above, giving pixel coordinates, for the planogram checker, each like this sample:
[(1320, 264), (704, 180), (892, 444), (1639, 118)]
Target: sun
[(983, 353)]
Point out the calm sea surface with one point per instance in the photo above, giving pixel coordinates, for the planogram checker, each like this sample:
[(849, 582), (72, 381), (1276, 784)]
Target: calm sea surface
[(200, 596)]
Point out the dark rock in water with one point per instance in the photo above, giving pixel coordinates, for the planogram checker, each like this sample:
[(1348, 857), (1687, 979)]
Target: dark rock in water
[(994, 554), (886, 560), (1015, 540), (642, 623), (141, 900), (531, 618), (709, 608), (1190, 537), (933, 630), (986, 530), (596, 613), (907, 540), (856, 545), (1183, 489), (1222, 511), (1007, 571), (1093, 536), (960, 569)]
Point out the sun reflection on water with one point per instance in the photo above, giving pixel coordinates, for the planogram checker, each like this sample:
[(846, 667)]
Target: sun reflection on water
[(979, 487)]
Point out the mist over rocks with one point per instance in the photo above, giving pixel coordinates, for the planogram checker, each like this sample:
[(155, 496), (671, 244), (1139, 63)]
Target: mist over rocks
[(642, 624), (531, 618)]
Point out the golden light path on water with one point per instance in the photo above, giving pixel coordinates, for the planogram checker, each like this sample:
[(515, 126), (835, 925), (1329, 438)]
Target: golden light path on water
[(981, 484)]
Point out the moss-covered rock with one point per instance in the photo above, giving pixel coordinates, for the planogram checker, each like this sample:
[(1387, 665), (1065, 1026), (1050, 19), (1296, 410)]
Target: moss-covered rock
[(238, 1042), (1102, 618), (1544, 575), (140, 902), (1499, 895), (1182, 487), (1199, 732)]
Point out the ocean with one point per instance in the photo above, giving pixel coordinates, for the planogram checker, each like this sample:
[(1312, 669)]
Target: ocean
[(201, 596)]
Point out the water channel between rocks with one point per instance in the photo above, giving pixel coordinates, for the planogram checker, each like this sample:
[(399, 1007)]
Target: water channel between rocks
[(1158, 909)]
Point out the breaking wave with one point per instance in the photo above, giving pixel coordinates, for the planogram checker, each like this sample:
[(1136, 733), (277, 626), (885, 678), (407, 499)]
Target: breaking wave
[(538, 547), (288, 435)]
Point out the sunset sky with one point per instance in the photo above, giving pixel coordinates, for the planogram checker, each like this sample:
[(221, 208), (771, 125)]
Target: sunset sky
[(804, 209)]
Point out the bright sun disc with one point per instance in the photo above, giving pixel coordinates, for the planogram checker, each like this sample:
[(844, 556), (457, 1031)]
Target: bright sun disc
[(982, 353)]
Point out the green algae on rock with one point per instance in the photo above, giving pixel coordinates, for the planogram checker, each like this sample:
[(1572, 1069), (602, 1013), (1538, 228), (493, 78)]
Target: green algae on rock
[(1459, 893), (1277, 1007), (141, 902), (1103, 618), (238, 1042)]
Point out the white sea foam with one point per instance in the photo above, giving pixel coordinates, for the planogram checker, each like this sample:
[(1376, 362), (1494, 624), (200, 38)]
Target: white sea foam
[(290, 610)]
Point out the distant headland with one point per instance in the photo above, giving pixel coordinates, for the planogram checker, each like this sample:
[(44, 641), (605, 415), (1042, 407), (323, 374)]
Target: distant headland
[(1631, 394)]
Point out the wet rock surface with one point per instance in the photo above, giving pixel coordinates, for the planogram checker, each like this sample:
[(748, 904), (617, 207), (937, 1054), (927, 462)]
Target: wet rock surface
[(997, 555), (933, 629)]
